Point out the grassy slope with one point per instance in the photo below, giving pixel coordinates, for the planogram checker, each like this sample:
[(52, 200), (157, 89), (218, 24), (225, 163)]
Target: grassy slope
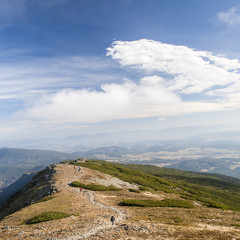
[(210, 190)]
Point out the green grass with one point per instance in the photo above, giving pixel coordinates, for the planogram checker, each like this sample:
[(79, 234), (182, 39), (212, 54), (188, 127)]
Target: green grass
[(47, 216), (205, 179), (143, 188), (157, 203), (94, 187), (129, 175), (210, 197), (211, 190), (236, 225)]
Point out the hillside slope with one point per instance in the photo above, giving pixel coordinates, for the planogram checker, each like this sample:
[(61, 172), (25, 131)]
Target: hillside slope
[(16, 186), (90, 211)]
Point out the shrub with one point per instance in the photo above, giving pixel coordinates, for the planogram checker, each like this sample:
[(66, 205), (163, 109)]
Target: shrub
[(94, 187), (134, 190), (47, 216), (157, 203), (142, 188)]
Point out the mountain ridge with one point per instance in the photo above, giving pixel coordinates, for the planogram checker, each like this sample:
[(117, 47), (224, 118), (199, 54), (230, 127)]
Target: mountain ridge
[(90, 211)]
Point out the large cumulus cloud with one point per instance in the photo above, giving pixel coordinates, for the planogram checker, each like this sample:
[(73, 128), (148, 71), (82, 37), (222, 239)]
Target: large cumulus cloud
[(173, 77)]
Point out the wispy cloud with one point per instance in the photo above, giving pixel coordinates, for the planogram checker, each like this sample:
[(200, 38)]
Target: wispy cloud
[(231, 17), (29, 78)]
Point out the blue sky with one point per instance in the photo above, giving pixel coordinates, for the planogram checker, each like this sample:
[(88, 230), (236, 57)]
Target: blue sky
[(72, 67)]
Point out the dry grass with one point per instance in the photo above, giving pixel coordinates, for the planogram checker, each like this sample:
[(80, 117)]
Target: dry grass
[(143, 223)]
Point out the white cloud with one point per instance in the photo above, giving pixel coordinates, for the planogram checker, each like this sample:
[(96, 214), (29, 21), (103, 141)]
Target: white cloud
[(186, 70), (231, 16), (114, 101), (171, 74)]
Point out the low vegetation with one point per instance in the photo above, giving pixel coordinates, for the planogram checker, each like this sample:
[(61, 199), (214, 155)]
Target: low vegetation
[(47, 216), (211, 190), (132, 176), (214, 191), (94, 187), (45, 199), (134, 190), (157, 203)]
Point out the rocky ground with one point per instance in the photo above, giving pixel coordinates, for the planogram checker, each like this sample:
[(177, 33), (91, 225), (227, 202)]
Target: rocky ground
[(91, 211)]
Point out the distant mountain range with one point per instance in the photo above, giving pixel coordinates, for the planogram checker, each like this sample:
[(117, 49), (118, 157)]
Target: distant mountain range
[(15, 162), (215, 156), (230, 167), (84, 142)]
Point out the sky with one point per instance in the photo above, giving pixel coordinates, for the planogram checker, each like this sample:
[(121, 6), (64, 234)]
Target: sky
[(72, 67)]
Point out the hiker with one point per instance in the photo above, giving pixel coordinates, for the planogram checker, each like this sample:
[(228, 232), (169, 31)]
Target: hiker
[(112, 219), (79, 169), (80, 189)]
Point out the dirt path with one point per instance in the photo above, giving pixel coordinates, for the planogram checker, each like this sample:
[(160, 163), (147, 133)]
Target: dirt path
[(120, 215), (91, 232)]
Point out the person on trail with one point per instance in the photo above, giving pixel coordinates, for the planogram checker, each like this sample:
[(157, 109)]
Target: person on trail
[(112, 219), (79, 169), (80, 189)]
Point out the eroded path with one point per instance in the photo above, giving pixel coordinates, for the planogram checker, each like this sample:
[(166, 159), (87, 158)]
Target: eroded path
[(93, 231), (119, 215)]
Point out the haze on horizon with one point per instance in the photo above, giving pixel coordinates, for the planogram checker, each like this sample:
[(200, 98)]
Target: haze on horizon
[(86, 67)]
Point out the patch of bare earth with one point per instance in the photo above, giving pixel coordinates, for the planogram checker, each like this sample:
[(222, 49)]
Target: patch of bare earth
[(91, 212)]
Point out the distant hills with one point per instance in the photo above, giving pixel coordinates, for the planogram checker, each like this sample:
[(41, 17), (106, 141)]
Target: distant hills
[(213, 157), (193, 135), (15, 162), (230, 167)]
